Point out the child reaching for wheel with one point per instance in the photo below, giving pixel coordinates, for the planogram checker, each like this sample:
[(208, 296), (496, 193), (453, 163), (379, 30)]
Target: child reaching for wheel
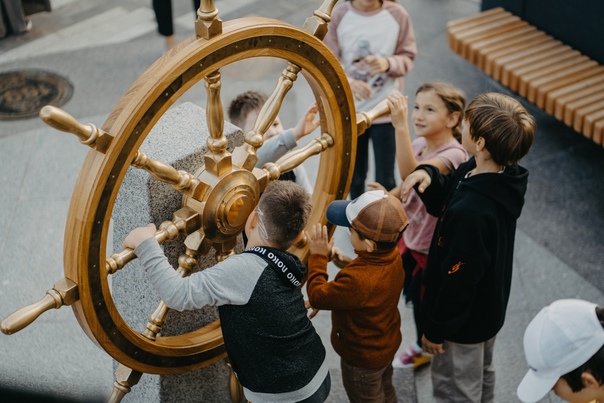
[(259, 300)]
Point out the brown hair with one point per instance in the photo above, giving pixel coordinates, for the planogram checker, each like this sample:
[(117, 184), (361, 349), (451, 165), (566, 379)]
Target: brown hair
[(507, 128), (243, 104), (453, 98), (285, 208)]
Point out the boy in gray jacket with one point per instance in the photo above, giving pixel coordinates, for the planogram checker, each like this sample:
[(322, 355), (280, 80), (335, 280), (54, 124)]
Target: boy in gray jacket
[(272, 346)]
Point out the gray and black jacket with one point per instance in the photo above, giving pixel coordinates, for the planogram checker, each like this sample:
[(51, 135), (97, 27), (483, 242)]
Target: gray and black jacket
[(272, 345)]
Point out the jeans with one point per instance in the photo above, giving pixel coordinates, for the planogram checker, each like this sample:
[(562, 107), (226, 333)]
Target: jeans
[(384, 152)]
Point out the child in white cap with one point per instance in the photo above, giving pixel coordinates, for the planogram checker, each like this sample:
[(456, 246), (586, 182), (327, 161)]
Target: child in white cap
[(363, 297), (564, 348)]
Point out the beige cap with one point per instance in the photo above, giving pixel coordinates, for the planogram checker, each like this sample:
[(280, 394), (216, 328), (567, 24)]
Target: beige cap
[(376, 215)]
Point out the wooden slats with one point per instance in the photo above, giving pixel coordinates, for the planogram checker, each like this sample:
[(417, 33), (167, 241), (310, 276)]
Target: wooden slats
[(552, 75)]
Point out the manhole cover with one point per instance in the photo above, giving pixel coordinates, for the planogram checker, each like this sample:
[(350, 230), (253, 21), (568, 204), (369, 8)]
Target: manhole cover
[(23, 93)]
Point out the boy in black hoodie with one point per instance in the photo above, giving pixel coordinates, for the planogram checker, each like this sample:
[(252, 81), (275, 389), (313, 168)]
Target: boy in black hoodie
[(273, 348), (469, 270)]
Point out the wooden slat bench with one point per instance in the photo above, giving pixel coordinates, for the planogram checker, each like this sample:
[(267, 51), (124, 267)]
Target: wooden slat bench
[(558, 79)]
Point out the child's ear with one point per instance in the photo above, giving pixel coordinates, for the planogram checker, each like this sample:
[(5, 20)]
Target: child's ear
[(252, 219), (453, 119), (480, 144), (589, 381), (370, 245)]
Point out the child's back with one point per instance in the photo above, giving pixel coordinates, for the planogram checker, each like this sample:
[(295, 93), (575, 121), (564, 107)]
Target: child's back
[(363, 297)]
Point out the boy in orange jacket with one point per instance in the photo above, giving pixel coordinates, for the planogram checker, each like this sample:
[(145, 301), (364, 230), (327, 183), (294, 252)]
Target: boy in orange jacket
[(363, 297)]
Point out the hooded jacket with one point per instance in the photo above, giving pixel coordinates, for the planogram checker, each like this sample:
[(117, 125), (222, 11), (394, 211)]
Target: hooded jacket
[(273, 347), (469, 270)]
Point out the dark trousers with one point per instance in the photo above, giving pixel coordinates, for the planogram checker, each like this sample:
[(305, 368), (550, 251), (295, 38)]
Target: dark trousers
[(12, 17), (163, 15), (384, 152), (368, 385)]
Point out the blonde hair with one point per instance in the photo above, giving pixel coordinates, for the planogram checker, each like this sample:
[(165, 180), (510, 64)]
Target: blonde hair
[(453, 98), (507, 128)]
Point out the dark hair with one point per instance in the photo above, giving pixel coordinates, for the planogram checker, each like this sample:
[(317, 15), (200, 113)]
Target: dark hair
[(507, 128), (243, 104), (285, 208), (595, 365), (453, 98)]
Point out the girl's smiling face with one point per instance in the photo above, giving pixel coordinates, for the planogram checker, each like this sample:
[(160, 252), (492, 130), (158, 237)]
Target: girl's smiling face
[(430, 115)]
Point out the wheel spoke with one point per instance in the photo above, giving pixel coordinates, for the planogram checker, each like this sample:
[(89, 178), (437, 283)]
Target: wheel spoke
[(218, 161), (88, 134), (208, 23), (267, 115), (184, 220), (296, 157), (366, 119), (125, 379), (64, 292), (180, 180), (317, 24)]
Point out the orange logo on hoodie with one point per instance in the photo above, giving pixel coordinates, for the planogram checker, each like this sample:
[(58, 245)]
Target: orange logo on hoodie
[(455, 267)]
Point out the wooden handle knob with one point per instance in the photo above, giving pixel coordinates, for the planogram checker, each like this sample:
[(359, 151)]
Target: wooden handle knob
[(366, 119), (26, 315), (63, 121)]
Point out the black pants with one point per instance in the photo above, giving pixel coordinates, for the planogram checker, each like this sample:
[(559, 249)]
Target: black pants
[(384, 152), (163, 15)]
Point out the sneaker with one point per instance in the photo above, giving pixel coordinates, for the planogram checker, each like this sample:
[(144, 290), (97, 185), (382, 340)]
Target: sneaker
[(411, 357)]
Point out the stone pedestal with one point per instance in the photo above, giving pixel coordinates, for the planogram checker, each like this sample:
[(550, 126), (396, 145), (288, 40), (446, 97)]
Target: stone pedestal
[(179, 139)]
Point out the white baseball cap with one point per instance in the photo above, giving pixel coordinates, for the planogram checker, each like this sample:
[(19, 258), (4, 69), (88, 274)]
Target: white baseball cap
[(559, 339), (376, 215)]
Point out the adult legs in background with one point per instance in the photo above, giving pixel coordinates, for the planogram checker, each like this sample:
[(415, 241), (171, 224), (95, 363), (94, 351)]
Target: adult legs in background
[(357, 185), (13, 17), (464, 373), (384, 151), (163, 16)]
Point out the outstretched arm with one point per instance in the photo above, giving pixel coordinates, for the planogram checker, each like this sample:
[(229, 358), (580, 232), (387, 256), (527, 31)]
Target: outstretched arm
[(419, 177), (404, 152), (308, 123), (138, 235), (405, 157)]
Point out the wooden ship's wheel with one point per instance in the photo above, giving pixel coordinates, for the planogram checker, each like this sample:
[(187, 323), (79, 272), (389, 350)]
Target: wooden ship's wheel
[(217, 198)]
